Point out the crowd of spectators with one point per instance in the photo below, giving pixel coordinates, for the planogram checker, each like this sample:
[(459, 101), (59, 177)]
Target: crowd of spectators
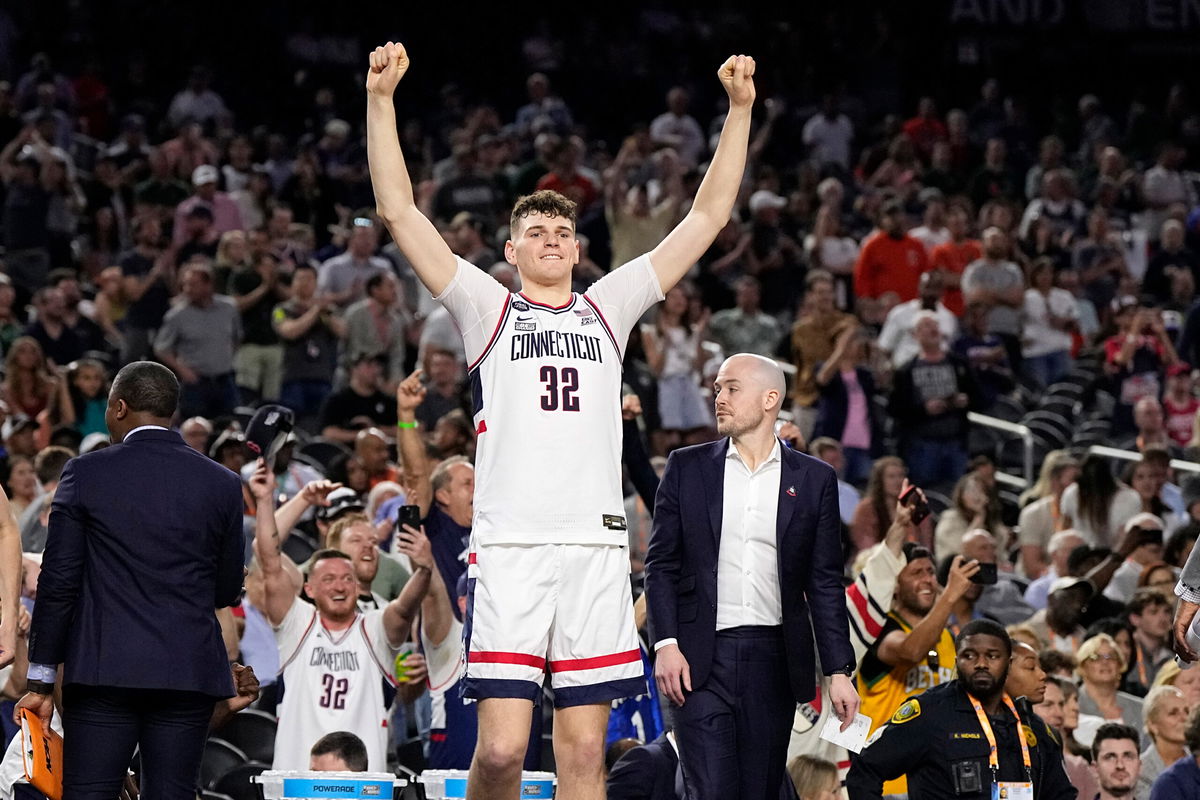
[(908, 270)]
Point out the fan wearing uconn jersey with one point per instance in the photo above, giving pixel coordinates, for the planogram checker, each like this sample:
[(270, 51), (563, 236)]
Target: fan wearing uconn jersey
[(549, 580), (335, 661)]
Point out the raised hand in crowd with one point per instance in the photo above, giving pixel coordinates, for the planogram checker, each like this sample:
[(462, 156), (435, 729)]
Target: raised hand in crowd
[(316, 493), (410, 393), (959, 578)]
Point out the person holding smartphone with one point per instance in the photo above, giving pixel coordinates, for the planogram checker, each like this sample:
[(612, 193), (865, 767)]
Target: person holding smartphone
[(915, 649), (1000, 598)]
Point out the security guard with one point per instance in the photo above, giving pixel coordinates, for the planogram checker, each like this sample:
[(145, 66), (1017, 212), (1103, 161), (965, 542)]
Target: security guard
[(966, 739)]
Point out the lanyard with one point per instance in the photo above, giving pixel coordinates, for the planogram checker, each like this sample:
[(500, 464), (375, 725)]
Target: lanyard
[(1141, 664), (993, 756)]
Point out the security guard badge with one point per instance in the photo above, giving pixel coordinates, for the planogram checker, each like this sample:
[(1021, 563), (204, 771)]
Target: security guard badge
[(1030, 739), (911, 709)]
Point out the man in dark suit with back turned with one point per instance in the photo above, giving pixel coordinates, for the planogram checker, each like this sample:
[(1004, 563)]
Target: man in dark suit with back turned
[(746, 542), (145, 540)]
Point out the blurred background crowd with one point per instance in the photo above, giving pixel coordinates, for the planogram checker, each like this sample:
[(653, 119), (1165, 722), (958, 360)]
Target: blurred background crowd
[(977, 260)]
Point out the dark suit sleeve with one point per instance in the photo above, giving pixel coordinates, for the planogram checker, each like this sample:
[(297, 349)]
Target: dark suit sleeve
[(663, 556), (825, 593), (633, 776), (61, 582), (231, 559)]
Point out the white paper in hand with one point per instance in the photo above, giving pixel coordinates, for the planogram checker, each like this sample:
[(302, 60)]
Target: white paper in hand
[(853, 737)]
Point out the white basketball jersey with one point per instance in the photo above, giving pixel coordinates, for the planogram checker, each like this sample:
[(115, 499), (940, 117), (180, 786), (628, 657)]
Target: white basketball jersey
[(546, 387), (332, 681)]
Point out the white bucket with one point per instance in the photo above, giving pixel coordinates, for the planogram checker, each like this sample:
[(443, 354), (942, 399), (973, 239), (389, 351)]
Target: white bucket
[(306, 785), (451, 784)]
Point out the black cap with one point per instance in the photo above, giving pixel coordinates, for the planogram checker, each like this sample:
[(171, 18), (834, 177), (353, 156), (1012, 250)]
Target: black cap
[(268, 429)]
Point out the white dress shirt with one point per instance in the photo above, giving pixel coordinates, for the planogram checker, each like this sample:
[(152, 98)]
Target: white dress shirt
[(748, 560), (144, 428)]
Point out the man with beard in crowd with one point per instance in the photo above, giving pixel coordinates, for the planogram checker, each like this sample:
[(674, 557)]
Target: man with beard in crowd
[(966, 738)]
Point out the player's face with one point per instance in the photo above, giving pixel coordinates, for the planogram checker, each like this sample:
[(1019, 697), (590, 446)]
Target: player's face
[(544, 250), (1117, 765), (333, 588)]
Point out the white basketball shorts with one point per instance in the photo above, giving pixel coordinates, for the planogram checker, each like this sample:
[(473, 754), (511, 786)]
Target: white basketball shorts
[(562, 608)]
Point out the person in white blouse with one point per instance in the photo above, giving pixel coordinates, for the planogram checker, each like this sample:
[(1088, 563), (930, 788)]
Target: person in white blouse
[(1051, 315), (1097, 505), (897, 340)]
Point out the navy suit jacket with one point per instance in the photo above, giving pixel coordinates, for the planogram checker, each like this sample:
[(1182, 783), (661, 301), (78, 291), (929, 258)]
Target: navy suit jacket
[(145, 541), (681, 562)]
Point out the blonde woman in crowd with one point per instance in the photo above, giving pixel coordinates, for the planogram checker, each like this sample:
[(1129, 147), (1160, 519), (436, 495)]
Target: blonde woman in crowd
[(1101, 665), (1164, 715)]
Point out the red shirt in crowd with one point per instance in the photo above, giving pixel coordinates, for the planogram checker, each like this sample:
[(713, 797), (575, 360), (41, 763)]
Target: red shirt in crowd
[(1179, 419), (953, 257), (886, 264)]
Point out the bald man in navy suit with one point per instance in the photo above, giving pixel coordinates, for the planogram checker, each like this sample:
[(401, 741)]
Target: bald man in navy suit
[(743, 573)]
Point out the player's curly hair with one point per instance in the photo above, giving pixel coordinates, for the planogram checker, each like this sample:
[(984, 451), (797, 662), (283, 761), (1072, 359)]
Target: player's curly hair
[(546, 202)]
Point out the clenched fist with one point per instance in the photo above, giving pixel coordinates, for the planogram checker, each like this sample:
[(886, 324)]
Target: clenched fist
[(737, 76), (388, 65)]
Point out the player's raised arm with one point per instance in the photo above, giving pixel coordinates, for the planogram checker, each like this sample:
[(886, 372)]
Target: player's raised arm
[(718, 191), (415, 235)]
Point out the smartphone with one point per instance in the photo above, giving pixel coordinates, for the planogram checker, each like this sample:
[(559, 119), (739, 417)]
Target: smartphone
[(920, 506), (986, 575), (410, 516)]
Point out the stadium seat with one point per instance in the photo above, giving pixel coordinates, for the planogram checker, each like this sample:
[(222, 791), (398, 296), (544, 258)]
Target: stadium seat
[(1007, 408), (253, 731), (219, 757), (236, 782), (1064, 389)]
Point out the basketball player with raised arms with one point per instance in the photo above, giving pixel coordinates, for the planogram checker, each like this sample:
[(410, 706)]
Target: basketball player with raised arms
[(548, 566), (336, 662)]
